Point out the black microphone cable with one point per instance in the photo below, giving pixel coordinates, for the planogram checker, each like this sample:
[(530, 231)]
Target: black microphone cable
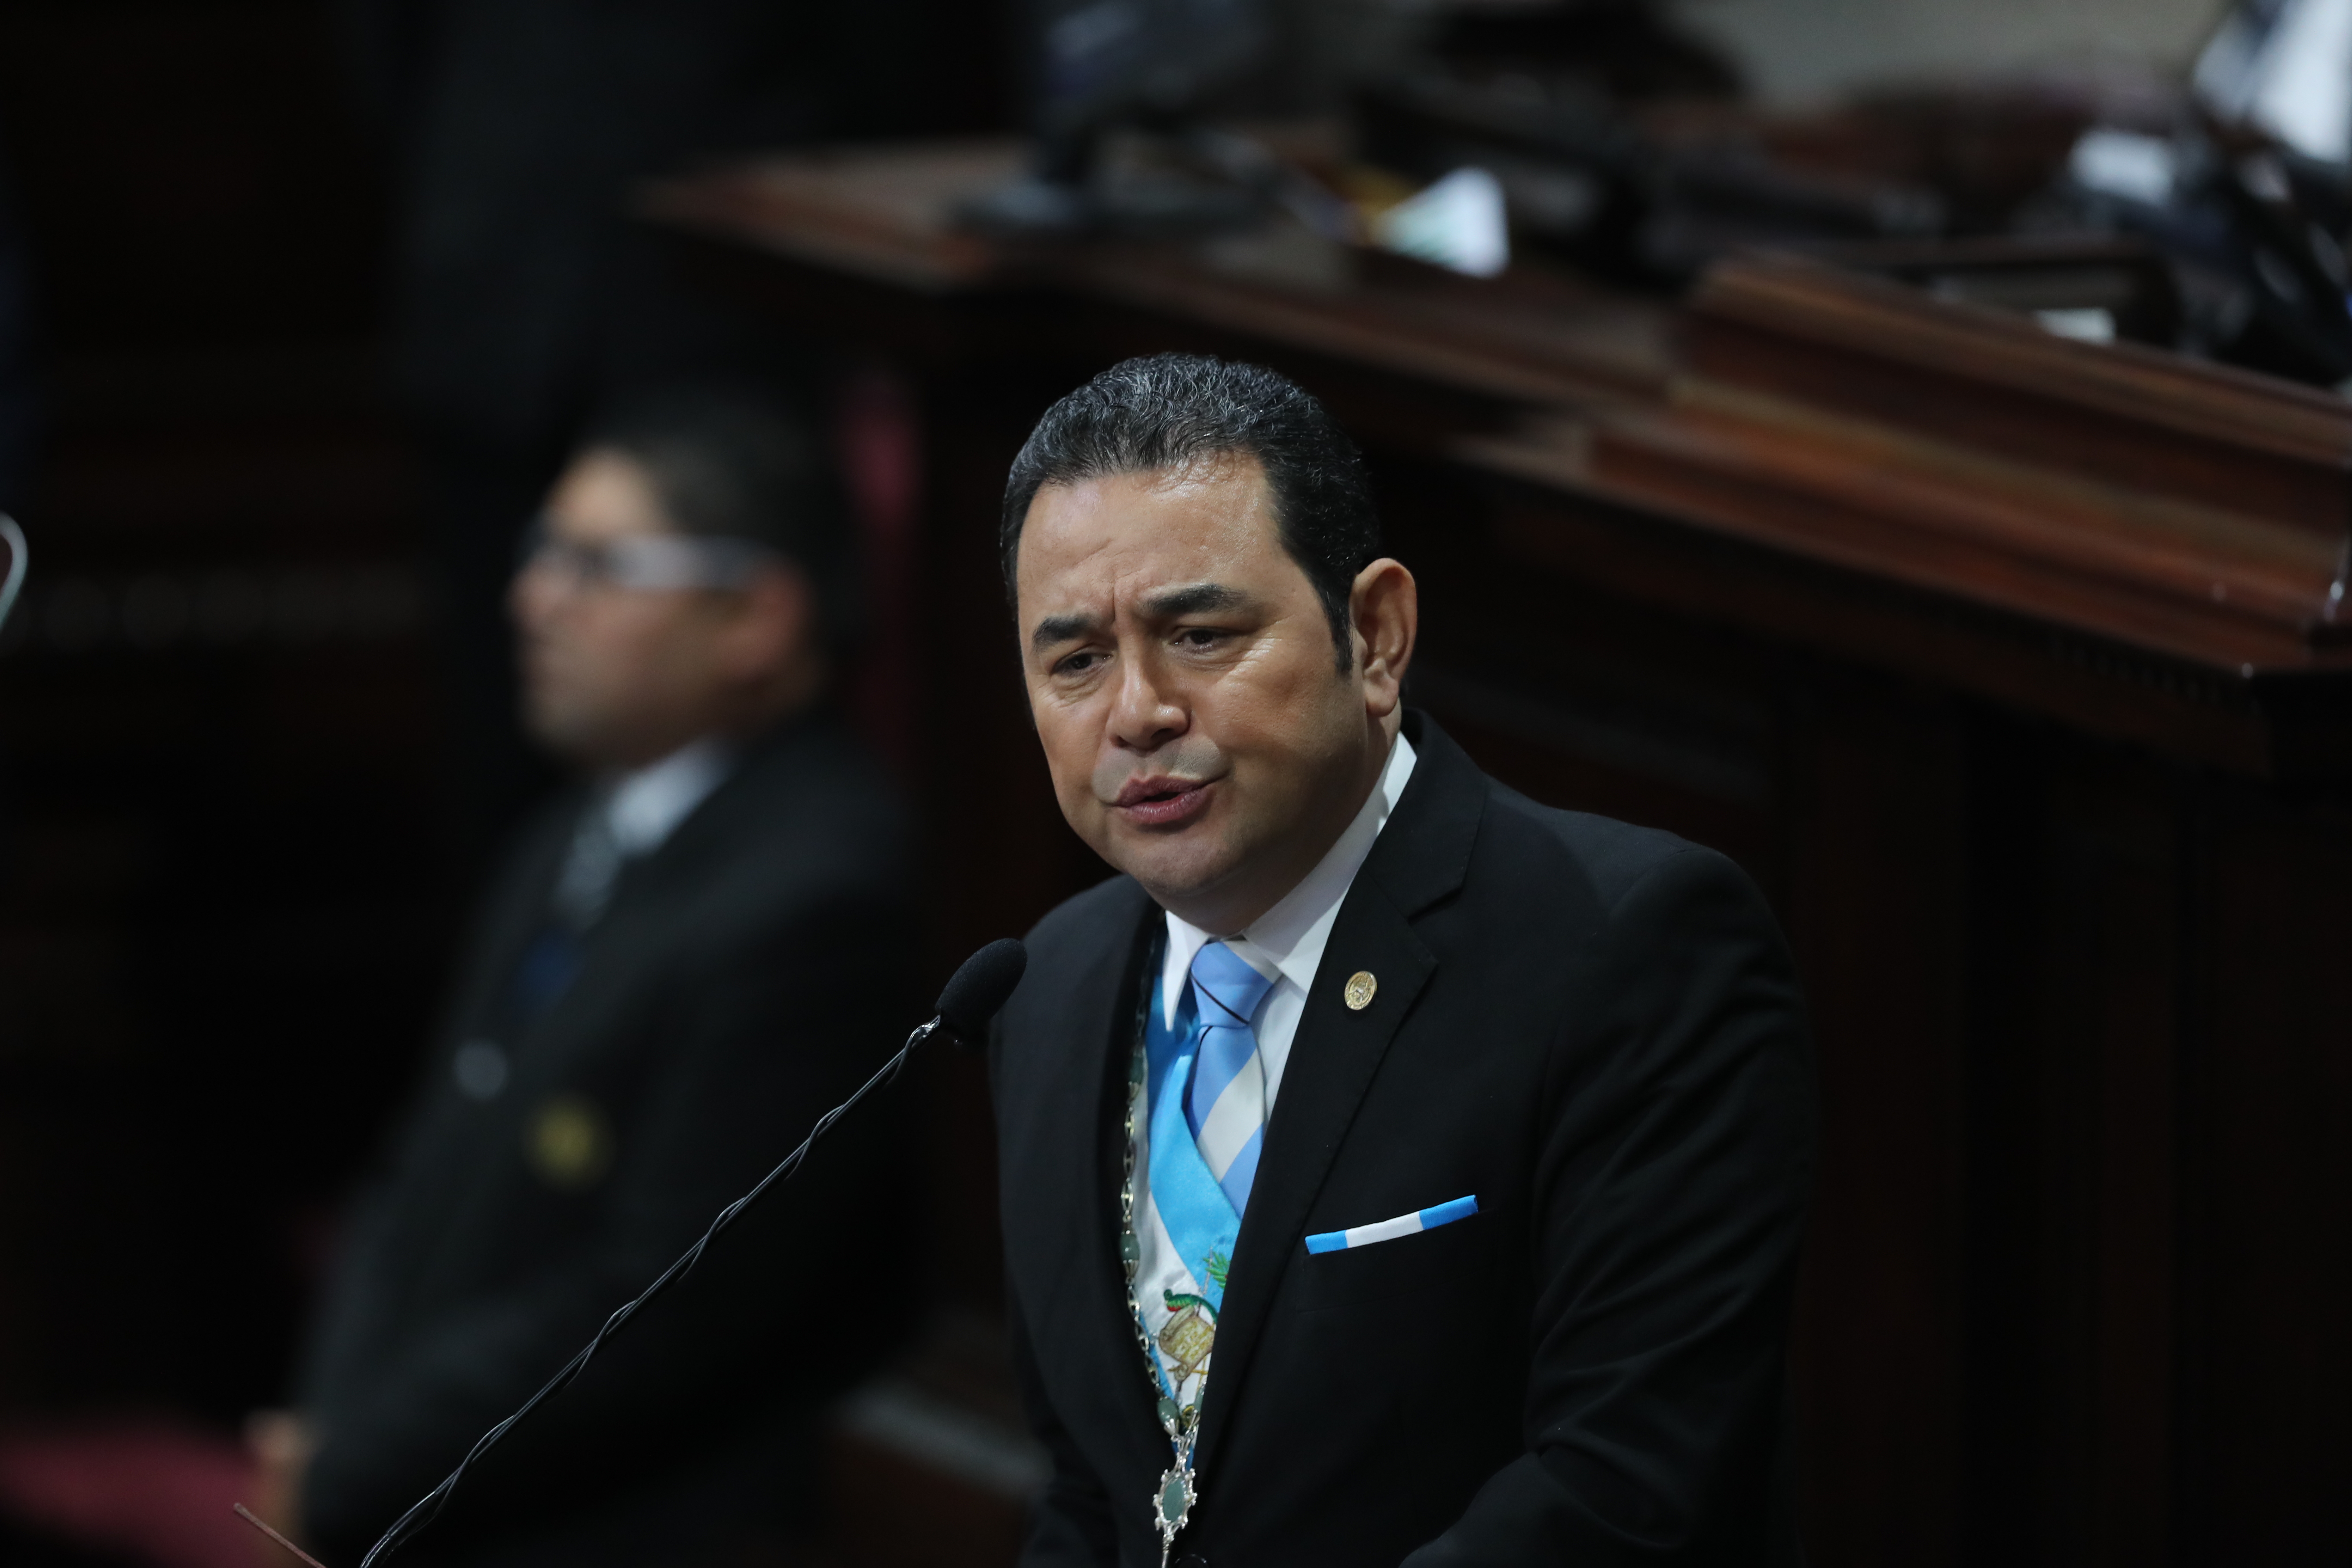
[(971, 999)]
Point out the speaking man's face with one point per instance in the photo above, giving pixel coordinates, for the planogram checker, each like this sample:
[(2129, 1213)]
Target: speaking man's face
[(1201, 732)]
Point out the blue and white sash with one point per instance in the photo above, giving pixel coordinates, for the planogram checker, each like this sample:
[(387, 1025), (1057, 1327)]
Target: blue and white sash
[(1191, 1211)]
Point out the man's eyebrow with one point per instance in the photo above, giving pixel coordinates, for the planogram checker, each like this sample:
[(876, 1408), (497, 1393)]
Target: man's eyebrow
[(1168, 604), (1193, 599), (1059, 629)]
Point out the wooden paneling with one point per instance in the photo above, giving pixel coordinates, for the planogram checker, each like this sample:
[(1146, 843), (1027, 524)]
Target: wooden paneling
[(1993, 382), (1878, 892), (2269, 1275)]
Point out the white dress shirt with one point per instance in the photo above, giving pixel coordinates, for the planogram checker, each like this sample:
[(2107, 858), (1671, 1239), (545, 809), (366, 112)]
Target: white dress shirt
[(647, 804), (633, 816), (1285, 945)]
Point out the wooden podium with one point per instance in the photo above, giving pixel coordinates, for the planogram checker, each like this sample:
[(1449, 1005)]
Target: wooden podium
[(2011, 667)]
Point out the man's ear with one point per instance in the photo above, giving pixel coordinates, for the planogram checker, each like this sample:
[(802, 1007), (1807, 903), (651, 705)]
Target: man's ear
[(1385, 606), (777, 625)]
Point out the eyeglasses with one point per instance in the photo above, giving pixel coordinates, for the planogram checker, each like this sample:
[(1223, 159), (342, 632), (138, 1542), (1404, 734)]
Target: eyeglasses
[(643, 562)]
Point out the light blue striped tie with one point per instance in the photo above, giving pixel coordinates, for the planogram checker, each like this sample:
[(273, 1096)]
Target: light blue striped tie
[(1225, 1102)]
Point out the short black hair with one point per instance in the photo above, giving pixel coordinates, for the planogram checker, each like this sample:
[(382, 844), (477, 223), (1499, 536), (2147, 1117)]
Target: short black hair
[(1164, 410), (729, 462)]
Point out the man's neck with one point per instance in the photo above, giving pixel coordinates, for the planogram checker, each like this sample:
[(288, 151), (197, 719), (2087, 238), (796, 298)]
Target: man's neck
[(734, 724), (644, 805)]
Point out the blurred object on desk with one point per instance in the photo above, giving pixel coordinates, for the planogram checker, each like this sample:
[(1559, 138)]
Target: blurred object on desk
[(2236, 176), (2251, 222), (2283, 68), (2194, 512), (1094, 67), (1617, 51), (1457, 222), (885, 216)]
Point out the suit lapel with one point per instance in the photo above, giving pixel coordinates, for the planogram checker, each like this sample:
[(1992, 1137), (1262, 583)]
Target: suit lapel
[(1063, 1125), (1420, 857), (639, 926), (516, 915)]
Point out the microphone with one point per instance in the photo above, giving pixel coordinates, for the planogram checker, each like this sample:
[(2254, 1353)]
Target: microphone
[(975, 992), (969, 999)]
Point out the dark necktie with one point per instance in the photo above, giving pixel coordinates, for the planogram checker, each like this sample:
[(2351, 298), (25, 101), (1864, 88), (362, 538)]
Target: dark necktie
[(582, 888)]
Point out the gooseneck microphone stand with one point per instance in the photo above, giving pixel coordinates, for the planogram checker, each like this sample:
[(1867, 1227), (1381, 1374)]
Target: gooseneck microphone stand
[(970, 1000), (19, 558)]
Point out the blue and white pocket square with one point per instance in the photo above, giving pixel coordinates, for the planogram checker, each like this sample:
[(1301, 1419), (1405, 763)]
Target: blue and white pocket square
[(1390, 1229)]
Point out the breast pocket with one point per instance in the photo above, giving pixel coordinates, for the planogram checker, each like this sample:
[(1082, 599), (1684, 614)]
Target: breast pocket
[(1452, 1257)]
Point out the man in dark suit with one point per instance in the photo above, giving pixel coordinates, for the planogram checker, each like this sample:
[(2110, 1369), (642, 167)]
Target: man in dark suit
[(1393, 1170), (687, 960)]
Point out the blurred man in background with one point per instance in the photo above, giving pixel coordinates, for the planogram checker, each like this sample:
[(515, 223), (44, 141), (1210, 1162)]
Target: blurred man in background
[(524, 293), (685, 962)]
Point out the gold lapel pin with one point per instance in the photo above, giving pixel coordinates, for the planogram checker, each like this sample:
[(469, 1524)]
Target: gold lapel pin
[(1360, 989)]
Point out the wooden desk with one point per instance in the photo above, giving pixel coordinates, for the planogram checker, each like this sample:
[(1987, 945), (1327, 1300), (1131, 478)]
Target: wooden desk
[(2009, 667)]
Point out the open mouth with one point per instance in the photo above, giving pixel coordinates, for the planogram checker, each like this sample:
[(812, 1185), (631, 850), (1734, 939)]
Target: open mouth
[(1163, 801)]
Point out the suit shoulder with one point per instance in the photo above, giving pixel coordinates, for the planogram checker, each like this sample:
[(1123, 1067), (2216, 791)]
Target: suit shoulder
[(828, 794), (819, 829), (826, 764), (516, 886), (1080, 924), (1076, 955), (542, 836)]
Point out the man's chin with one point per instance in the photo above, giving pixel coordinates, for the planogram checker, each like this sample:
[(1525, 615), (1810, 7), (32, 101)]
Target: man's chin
[(563, 737), (1176, 868)]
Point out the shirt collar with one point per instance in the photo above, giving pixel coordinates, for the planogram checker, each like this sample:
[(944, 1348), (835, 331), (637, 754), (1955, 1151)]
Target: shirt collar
[(647, 804), (1286, 943)]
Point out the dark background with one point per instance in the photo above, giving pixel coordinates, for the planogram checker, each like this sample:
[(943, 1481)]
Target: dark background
[(229, 880), (223, 915)]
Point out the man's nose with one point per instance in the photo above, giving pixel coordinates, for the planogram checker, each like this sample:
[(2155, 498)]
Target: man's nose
[(1143, 716)]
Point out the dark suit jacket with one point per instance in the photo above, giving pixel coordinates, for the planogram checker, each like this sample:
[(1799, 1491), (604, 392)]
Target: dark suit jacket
[(744, 978), (1591, 1027)]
